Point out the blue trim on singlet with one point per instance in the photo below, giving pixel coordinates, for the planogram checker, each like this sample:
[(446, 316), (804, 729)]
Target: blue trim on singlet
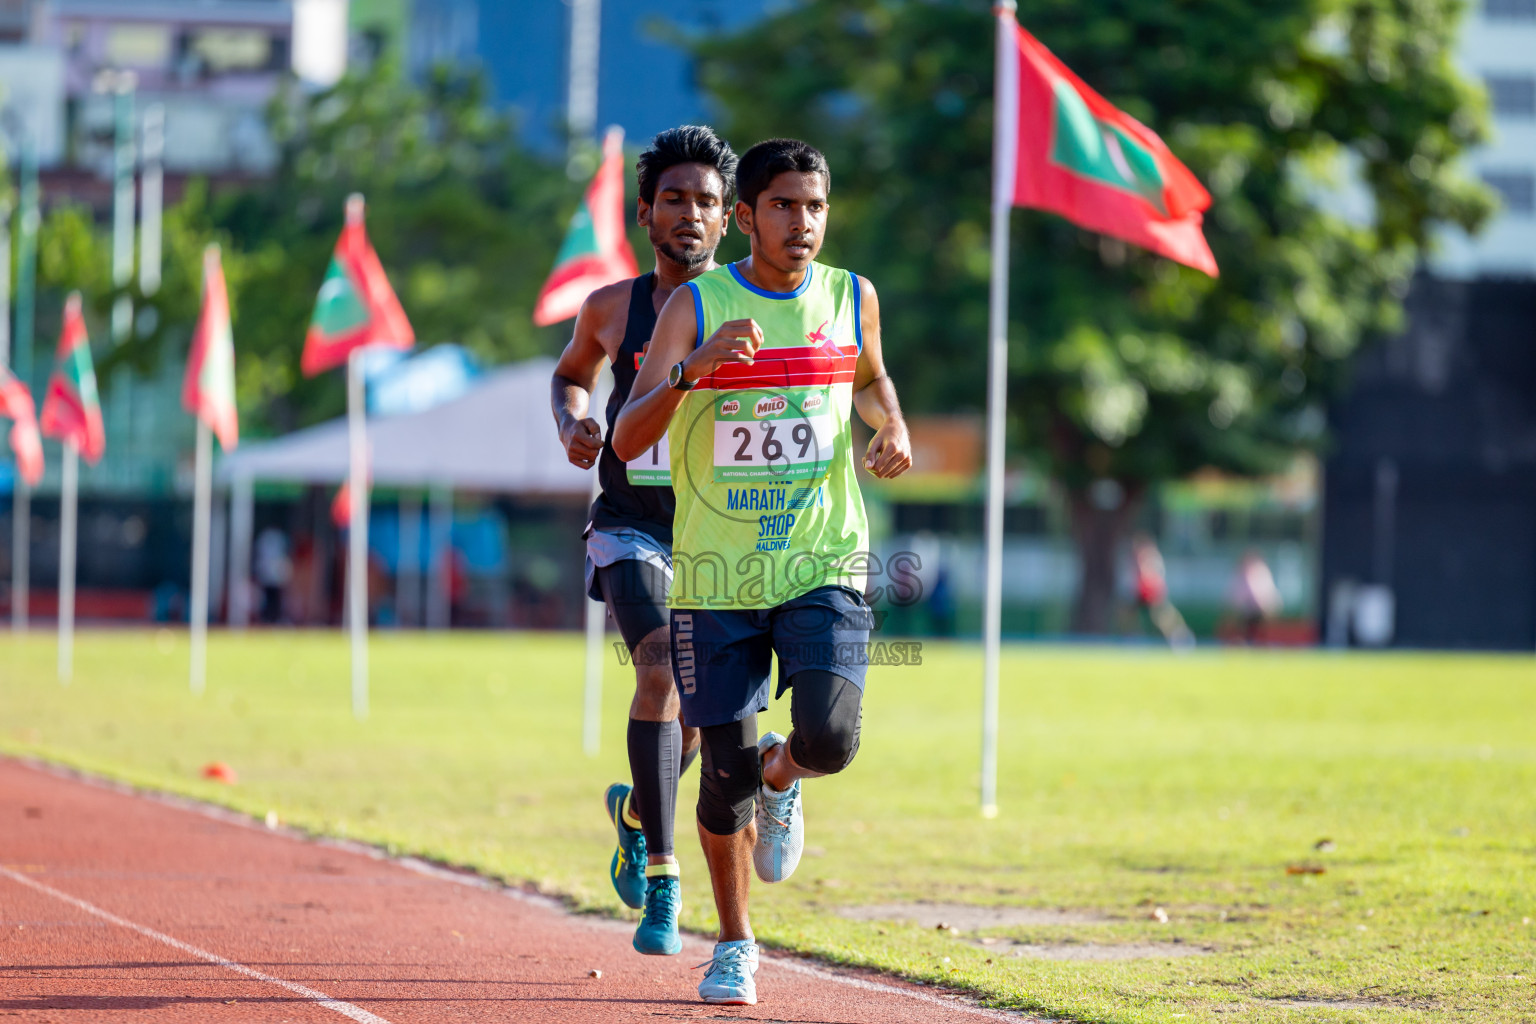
[(858, 315), (698, 313), (755, 290)]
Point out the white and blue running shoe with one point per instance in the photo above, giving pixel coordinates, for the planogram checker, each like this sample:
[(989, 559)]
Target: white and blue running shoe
[(780, 824), (729, 979)]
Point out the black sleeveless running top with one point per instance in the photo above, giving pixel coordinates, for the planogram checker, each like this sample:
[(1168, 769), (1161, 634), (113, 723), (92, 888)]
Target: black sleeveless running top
[(622, 503)]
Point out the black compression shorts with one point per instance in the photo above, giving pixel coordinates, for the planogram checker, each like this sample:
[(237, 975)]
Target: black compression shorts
[(636, 595)]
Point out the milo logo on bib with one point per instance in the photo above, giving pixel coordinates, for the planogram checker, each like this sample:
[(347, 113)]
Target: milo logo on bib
[(771, 406), (775, 435)]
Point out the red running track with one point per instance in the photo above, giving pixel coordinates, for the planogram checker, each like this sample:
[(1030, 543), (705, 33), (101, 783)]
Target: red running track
[(121, 908)]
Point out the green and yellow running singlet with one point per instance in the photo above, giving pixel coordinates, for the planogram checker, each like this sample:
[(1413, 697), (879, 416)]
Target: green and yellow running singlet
[(768, 507)]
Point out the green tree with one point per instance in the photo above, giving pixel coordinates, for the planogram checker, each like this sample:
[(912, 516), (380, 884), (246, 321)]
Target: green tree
[(465, 221), (1126, 369), (75, 252)]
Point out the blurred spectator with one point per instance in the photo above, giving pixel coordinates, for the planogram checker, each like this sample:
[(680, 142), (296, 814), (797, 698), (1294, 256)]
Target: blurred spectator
[(458, 586), (1152, 594), (304, 603), (1254, 596), (168, 603), (381, 591), (941, 604), (273, 571)]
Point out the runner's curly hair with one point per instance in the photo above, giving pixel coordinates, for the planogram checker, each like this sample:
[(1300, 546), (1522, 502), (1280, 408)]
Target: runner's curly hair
[(690, 144)]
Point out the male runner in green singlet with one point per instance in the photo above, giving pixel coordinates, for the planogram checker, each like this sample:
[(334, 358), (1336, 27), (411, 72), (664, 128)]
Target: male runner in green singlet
[(753, 374), (687, 180)]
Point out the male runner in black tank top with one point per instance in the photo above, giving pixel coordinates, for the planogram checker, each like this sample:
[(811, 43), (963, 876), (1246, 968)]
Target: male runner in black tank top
[(687, 183)]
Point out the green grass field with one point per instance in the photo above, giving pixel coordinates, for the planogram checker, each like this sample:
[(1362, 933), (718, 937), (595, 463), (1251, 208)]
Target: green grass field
[(1130, 781)]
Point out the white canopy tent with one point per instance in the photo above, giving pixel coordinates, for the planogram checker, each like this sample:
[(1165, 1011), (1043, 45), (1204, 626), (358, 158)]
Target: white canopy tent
[(498, 436)]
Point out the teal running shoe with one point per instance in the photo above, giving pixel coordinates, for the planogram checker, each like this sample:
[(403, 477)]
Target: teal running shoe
[(729, 980), (657, 934), (627, 870), (780, 825)]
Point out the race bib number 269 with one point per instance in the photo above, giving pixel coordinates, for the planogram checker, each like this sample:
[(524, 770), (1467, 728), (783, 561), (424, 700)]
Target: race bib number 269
[(768, 436)]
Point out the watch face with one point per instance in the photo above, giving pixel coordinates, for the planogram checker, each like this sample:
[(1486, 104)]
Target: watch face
[(675, 375)]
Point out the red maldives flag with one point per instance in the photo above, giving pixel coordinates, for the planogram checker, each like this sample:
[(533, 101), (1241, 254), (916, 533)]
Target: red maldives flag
[(208, 392), (595, 251), (1074, 154), (72, 407), (341, 505), (356, 306), (16, 406)]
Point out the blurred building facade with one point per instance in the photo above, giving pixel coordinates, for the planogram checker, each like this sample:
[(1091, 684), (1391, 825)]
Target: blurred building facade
[(1429, 534), (1498, 48), (213, 66), (524, 50)]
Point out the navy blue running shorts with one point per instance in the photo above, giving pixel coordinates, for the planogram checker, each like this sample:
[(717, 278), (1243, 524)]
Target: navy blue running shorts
[(722, 657)]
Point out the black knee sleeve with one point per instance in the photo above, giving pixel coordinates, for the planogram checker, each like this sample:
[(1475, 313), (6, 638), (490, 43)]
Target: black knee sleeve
[(729, 776), (827, 711)]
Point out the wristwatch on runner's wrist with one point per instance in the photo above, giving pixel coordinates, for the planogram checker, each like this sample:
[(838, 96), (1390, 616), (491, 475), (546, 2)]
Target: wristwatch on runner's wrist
[(676, 381)]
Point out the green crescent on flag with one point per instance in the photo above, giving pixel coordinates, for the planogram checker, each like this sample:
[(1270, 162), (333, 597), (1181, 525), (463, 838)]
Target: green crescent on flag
[(338, 308)]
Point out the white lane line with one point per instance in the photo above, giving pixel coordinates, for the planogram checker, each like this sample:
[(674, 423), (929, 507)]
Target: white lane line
[(345, 1009), (953, 1005)]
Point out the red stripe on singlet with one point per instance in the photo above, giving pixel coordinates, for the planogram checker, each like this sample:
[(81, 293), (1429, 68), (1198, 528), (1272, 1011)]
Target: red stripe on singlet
[(799, 366)]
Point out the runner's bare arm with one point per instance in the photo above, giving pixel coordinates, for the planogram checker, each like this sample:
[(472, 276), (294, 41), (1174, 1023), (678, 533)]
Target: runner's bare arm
[(570, 391), (890, 450), (645, 417)]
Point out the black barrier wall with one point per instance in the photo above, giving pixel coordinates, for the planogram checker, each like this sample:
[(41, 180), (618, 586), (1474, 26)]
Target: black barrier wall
[(1430, 491)]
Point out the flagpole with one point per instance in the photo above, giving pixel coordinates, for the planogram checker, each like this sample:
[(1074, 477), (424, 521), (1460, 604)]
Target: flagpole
[(242, 501), (357, 540), (152, 198), (592, 691), (597, 615), (21, 365), (1004, 128), (21, 554), (202, 509), (581, 80), (6, 360), (68, 509)]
